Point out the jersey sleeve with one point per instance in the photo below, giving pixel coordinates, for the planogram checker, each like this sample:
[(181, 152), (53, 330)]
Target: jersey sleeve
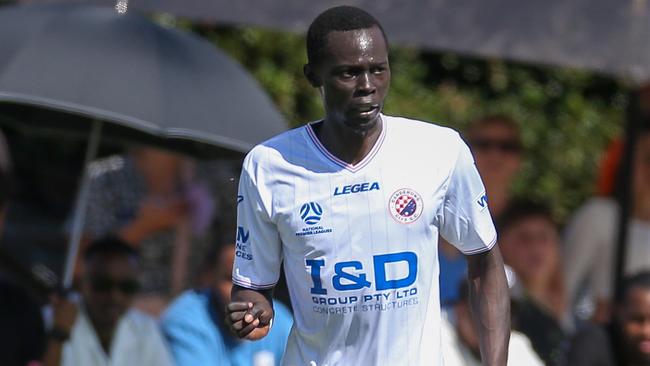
[(258, 254), (466, 222)]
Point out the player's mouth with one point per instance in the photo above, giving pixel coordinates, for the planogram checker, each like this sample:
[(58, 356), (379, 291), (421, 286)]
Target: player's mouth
[(365, 110)]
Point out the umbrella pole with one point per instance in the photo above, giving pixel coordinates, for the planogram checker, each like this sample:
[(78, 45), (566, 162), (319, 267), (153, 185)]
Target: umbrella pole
[(624, 194), (80, 205)]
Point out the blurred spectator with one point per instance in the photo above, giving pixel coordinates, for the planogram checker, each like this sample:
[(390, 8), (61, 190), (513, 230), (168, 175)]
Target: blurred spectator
[(529, 241), (496, 145), (495, 142), (104, 329), (608, 168), (592, 233), (194, 327), (460, 343), (154, 200), (624, 342), (22, 335)]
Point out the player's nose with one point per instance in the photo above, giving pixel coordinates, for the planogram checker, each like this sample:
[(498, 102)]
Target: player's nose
[(365, 83)]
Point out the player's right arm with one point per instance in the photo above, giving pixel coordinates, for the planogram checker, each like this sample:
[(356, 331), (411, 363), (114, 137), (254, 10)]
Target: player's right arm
[(250, 313), (258, 252)]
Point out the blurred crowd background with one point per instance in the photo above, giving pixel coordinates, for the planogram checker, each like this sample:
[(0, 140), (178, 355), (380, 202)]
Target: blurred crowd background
[(160, 225)]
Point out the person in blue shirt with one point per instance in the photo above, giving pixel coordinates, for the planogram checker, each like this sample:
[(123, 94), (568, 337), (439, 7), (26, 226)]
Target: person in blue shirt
[(193, 325)]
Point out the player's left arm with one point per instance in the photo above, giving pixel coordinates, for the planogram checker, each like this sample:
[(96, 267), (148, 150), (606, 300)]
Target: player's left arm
[(466, 223), (490, 305)]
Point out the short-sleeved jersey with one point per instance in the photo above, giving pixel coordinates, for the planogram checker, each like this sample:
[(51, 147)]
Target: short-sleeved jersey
[(359, 243)]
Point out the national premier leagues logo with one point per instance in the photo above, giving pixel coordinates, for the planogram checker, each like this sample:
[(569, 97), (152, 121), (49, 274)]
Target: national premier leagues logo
[(311, 213), (405, 205)]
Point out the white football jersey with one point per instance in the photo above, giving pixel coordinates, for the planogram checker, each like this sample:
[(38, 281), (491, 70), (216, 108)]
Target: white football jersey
[(359, 243)]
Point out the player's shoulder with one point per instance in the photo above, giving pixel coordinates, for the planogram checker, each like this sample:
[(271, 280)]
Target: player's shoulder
[(428, 133), (276, 147)]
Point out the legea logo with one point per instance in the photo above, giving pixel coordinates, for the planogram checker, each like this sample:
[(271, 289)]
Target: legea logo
[(356, 188), (311, 213)]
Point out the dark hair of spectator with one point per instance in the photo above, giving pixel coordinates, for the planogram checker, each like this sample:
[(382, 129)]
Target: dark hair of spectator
[(494, 119), (109, 246), (520, 210), (640, 280), (340, 18)]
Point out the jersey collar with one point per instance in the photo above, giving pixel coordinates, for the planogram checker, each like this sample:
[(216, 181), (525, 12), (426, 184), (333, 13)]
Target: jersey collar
[(350, 167)]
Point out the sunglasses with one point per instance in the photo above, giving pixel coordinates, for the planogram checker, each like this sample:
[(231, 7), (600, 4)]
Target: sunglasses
[(505, 146), (105, 284)]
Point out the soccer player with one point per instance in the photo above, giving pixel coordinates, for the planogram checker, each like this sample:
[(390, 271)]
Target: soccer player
[(353, 205)]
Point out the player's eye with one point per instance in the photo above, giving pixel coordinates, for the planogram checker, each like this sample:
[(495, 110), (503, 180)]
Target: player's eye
[(346, 74)]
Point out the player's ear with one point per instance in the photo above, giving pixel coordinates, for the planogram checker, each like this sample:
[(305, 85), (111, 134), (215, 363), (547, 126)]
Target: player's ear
[(312, 76)]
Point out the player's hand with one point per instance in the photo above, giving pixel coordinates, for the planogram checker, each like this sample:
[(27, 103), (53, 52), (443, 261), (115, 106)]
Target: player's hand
[(248, 321)]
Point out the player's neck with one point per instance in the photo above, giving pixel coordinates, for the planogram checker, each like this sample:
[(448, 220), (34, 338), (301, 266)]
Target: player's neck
[(351, 147)]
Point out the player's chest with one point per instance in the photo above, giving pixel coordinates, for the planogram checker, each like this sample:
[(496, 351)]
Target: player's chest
[(321, 205)]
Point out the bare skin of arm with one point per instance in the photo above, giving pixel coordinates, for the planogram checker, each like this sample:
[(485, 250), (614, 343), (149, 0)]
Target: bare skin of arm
[(65, 314), (490, 305), (152, 218), (249, 314)]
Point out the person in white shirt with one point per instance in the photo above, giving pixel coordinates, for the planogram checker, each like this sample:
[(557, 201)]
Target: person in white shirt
[(103, 329), (353, 205), (460, 344), (591, 238)]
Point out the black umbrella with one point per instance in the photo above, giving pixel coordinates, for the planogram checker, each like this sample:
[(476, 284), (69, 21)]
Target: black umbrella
[(124, 77), (602, 35), (145, 79)]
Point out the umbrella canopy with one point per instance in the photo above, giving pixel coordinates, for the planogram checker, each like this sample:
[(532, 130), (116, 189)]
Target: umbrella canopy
[(600, 35), (152, 84)]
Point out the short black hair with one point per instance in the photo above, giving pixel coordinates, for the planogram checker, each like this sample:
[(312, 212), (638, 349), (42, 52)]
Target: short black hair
[(110, 245), (640, 280), (339, 18), (520, 210)]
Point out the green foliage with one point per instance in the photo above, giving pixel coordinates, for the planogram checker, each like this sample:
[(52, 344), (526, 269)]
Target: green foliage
[(566, 116)]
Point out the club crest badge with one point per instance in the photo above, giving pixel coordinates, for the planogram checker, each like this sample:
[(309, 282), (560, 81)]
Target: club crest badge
[(405, 205)]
